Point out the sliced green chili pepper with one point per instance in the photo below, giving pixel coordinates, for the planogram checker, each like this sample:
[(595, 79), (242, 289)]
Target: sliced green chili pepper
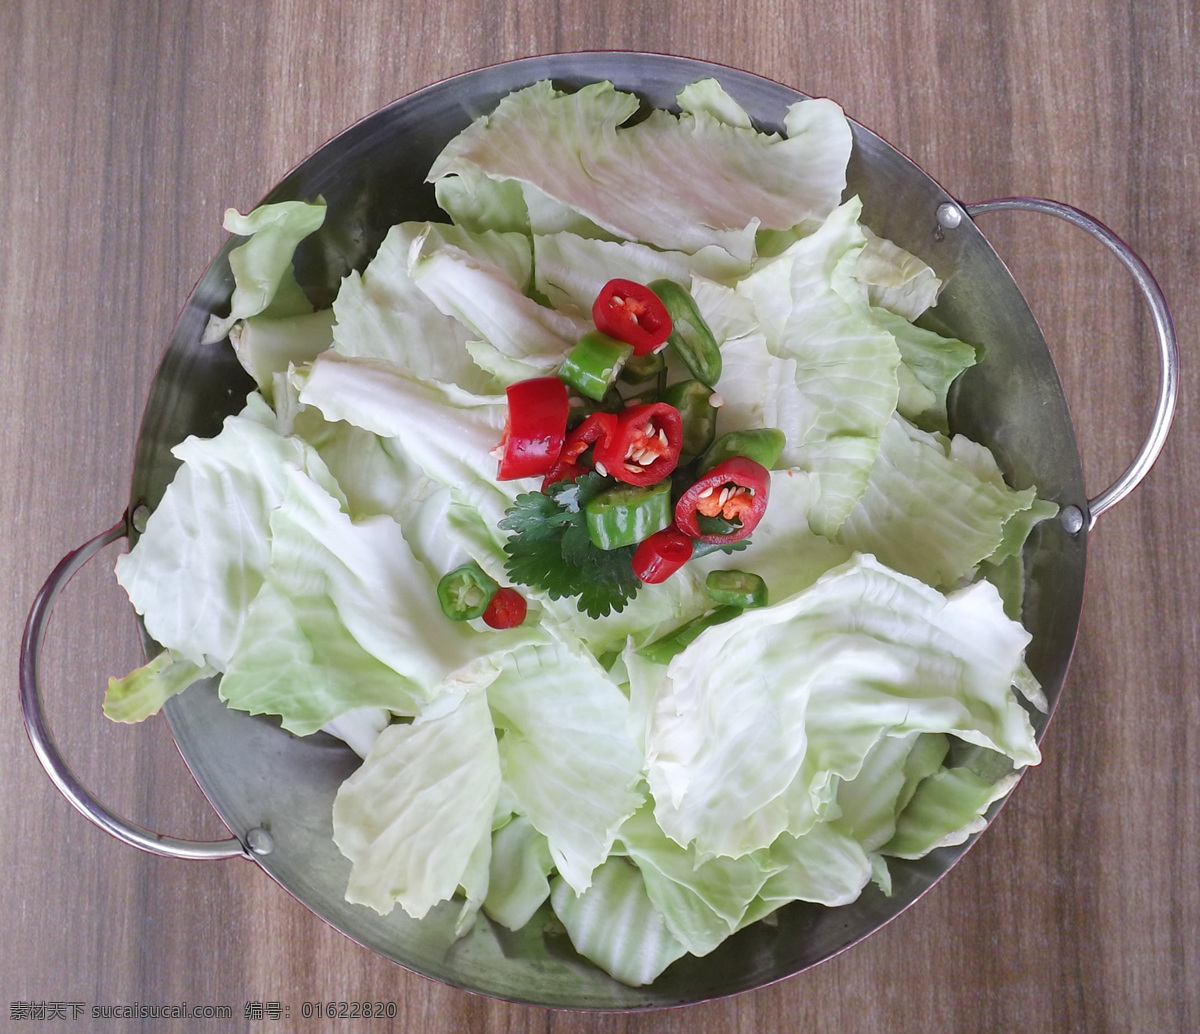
[(625, 515), (690, 338), (762, 444), (662, 650), (591, 367), (693, 399), (642, 368), (582, 408), (736, 589), (465, 592)]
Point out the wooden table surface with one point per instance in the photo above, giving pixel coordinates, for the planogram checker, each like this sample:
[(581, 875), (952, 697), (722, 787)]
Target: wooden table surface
[(127, 127)]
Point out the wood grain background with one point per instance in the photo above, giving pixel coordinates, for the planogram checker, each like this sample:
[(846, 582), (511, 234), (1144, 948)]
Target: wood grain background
[(127, 127)]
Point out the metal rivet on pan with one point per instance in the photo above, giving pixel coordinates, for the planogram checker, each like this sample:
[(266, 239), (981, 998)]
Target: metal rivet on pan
[(139, 517), (949, 215), (260, 841), (1072, 519)]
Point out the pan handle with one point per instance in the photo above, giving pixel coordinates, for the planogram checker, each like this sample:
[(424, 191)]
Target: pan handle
[(46, 748), (1164, 332)]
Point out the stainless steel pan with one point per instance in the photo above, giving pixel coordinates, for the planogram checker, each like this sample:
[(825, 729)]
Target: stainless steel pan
[(275, 792)]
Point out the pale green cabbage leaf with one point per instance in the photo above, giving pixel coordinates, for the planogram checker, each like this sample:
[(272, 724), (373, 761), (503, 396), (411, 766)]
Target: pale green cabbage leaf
[(756, 722), (574, 149), (382, 313), (342, 620), (204, 553), (834, 370), (492, 305), (144, 690), (566, 752), (896, 279), (412, 816), (927, 513), (519, 873), (615, 924), (262, 266)]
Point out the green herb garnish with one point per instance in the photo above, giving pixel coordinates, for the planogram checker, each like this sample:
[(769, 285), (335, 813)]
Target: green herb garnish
[(717, 525), (700, 549), (550, 549)]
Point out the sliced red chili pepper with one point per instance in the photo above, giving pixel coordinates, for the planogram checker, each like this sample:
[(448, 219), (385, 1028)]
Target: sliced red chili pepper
[(536, 427), (506, 610), (596, 427), (734, 492), (632, 313), (644, 447), (661, 555)]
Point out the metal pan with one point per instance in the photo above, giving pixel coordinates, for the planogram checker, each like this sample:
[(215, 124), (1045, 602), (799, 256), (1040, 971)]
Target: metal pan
[(275, 792)]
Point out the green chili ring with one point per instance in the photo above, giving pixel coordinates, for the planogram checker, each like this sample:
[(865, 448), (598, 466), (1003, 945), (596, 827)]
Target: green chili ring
[(690, 339), (694, 400), (764, 445), (627, 514), (464, 593), (736, 589), (592, 366)]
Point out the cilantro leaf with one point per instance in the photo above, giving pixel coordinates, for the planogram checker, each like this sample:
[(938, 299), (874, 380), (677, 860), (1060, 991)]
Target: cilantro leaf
[(576, 546), (550, 549), (573, 496), (704, 548), (717, 525), (535, 516)]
